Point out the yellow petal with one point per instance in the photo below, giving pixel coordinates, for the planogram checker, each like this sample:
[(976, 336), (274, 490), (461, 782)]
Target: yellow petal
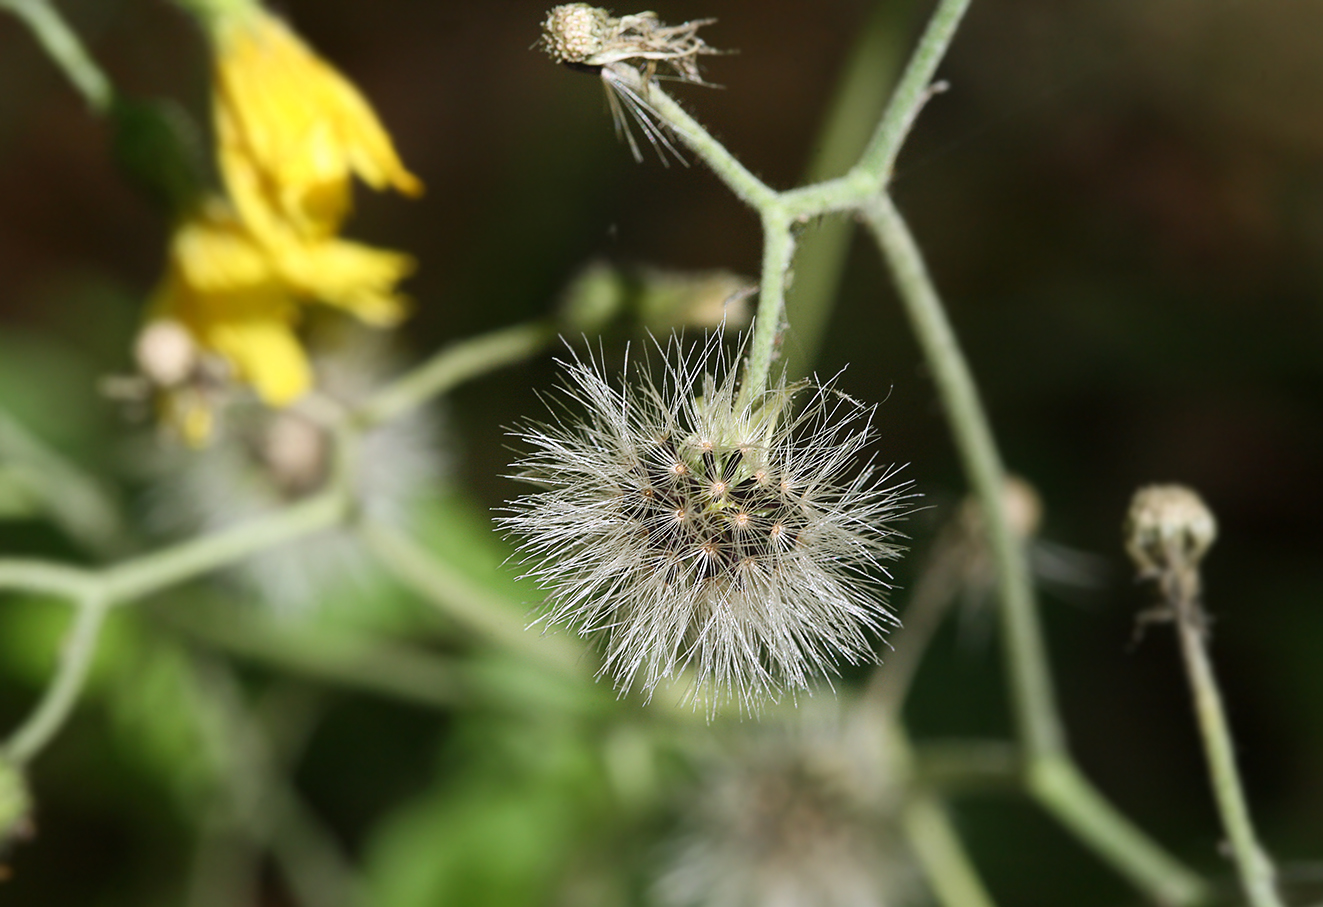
[(292, 130), (352, 276)]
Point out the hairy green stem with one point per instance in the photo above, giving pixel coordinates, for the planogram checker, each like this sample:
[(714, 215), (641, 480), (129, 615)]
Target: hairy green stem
[(750, 190), (1255, 868), (1034, 701), (453, 366), (778, 249), (56, 704), (1052, 777), (64, 47), (865, 84), (474, 607), (876, 163)]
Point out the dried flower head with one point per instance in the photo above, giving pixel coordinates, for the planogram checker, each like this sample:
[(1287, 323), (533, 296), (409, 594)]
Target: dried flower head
[(627, 52), (693, 526), (267, 458)]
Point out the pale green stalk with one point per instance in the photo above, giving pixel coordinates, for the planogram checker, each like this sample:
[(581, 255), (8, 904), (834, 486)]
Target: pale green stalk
[(1257, 875), (61, 695), (64, 48), (1049, 773), (865, 84), (453, 366), (472, 606)]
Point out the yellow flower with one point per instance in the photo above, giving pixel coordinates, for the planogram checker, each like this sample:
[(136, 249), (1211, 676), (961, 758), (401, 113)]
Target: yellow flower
[(239, 299), (292, 130), (224, 289)]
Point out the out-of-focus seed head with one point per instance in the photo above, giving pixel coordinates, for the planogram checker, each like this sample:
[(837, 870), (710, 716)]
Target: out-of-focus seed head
[(796, 812), (267, 458), (692, 528), (1169, 527)]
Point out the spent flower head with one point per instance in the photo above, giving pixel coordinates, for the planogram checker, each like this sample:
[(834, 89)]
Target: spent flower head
[(627, 52), (693, 526)]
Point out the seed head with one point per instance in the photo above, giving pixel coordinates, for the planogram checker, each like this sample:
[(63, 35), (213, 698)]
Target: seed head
[(800, 812), (1168, 527), (692, 527)]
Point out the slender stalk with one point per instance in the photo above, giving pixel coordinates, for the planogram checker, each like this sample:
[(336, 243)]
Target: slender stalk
[(474, 607), (1052, 777), (44, 578), (747, 187), (453, 366), (74, 500), (946, 865), (1257, 876), (56, 704), (778, 249), (876, 163), (1034, 701), (161, 569), (1060, 788), (64, 47), (865, 83)]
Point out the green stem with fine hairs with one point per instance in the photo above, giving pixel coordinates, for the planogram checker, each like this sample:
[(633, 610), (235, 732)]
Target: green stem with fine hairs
[(1049, 774), (63, 46), (865, 84), (96, 590), (61, 695)]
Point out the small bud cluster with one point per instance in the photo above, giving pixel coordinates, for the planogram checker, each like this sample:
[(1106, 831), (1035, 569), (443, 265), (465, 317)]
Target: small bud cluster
[(694, 528)]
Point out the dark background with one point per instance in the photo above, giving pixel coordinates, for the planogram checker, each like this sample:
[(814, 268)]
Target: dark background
[(1122, 204)]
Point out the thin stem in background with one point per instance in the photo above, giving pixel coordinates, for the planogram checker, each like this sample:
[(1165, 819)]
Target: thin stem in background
[(65, 49), (1257, 875), (865, 84), (1051, 776), (472, 606), (1034, 701), (61, 695), (351, 660), (75, 501), (453, 366)]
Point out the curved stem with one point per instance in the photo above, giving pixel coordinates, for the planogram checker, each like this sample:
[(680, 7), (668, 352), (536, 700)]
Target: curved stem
[(750, 190), (876, 163), (64, 47), (778, 250), (1257, 874), (451, 367), (58, 701), (1034, 700)]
